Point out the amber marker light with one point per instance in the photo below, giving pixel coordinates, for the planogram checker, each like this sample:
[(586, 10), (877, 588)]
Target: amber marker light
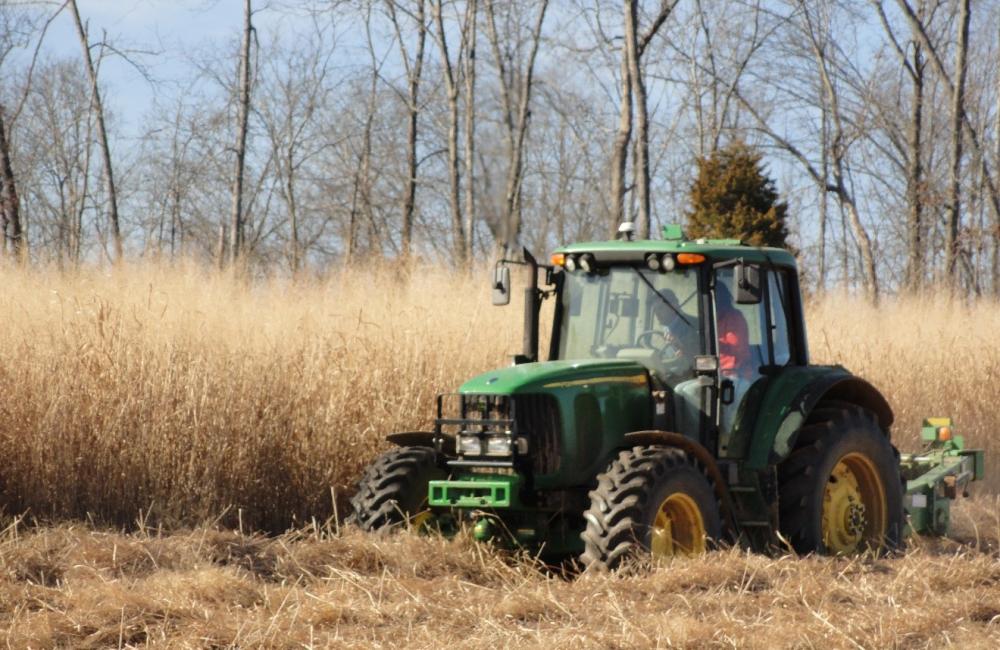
[(690, 258), (944, 434), (558, 259)]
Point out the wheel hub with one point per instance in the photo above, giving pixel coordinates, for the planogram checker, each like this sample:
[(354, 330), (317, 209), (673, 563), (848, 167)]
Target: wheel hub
[(853, 506), (855, 523), (678, 528)]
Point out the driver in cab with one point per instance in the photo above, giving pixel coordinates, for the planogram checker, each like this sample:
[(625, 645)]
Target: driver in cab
[(680, 331)]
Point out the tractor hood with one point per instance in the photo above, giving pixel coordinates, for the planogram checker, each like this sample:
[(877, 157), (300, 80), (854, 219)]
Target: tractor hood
[(548, 376)]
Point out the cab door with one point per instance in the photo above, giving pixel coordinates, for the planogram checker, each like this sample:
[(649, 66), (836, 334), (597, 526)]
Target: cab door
[(752, 343)]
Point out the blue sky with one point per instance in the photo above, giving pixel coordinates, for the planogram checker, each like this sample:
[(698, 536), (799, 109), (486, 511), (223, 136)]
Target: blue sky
[(171, 28)]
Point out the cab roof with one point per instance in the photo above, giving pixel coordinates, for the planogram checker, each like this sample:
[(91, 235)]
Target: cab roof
[(716, 250)]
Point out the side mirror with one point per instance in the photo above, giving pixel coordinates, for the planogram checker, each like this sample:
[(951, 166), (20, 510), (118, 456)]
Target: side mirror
[(746, 284), (501, 285)]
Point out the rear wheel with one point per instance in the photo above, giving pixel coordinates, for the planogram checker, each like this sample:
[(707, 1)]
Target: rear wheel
[(393, 489), (650, 499), (840, 491)]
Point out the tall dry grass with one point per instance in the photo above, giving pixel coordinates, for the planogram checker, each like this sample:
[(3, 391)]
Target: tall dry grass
[(930, 356), (179, 394)]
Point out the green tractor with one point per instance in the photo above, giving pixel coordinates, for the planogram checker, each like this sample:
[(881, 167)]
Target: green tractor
[(677, 410)]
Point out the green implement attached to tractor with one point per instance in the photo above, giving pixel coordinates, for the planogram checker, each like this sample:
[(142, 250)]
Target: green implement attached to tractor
[(677, 410)]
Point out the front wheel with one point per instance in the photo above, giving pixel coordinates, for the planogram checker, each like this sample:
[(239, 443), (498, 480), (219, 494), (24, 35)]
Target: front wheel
[(840, 491), (650, 499), (393, 489)]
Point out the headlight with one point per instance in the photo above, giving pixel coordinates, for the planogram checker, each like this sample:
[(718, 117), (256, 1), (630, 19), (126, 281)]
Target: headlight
[(498, 445), (470, 446)]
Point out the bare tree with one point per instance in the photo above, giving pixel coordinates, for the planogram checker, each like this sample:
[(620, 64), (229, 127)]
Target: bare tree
[(838, 149), (633, 89), (623, 135), (237, 216), (821, 183), (823, 52), (102, 132), (9, 201), (516, 117), (454, 164), (469, 69), (414, 70), (364, 177), (969, 131), (15, 30), (952, 244), (293, 92), (914, 66), (996, 165), (55, 149), (634, 48)]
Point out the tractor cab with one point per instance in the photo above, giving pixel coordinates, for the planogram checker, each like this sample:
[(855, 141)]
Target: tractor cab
[(711, 321)]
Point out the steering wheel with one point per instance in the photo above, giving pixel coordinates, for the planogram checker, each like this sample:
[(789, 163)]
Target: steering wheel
[(647, 340)]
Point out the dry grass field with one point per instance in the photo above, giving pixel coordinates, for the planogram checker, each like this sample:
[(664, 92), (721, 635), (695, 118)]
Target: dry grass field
[(72, 587), (183, 406)]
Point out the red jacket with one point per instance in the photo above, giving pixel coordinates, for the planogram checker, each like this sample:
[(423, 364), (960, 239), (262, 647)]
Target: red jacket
[(734, 344)]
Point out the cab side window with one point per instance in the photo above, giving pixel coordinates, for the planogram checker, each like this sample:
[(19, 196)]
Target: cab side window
[(777, 290)]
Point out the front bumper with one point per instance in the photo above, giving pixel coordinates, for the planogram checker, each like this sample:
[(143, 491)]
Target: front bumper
[(475, 492)]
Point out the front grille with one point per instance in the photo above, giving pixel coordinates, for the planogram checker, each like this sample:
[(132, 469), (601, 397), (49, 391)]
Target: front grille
[(538, 418), (468, 413), (535, 417)]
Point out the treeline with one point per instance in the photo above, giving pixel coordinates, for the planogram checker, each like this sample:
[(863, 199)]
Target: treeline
[(451, 129)]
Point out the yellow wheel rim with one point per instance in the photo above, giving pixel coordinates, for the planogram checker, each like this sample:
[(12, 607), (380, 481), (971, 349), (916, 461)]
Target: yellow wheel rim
[(679, 529), (854, 506), (421, 521)]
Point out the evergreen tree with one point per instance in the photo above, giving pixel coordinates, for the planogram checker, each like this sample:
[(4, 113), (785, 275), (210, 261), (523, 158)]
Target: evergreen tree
[(733, 198)]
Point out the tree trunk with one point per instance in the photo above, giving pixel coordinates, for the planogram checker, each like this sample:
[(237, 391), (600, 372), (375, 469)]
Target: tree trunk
[(470, 126), (220, 247), (413, 73), (102, 133), (864, 241), (952, 244), (293, 211), (996, 165), (176, 235), (641, 170), (352, 224), (619, 156), (367, 185), (9, 202), (824, 169), (515, 175), (454, 170), (237, 218), (914, 178)]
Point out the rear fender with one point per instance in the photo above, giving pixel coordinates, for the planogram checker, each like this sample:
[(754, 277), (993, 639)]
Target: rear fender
[(423, 439), (792, 397)]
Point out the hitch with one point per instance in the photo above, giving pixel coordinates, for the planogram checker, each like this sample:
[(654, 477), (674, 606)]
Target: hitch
[(937, 476)]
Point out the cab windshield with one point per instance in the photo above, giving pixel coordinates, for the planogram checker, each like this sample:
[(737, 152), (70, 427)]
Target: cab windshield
[(627, 312)]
